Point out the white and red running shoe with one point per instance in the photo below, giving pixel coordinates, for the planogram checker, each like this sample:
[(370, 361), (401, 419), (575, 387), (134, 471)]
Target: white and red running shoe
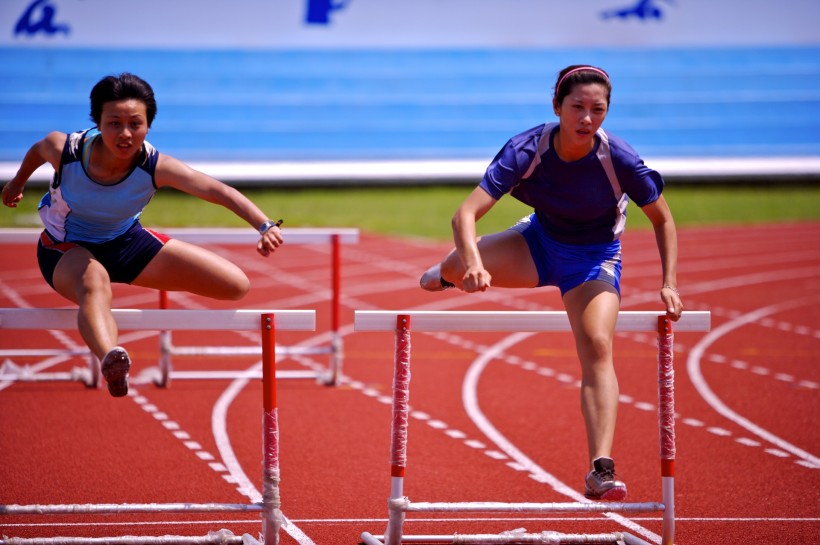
[(601, 482), (431, 280), (115, 366)]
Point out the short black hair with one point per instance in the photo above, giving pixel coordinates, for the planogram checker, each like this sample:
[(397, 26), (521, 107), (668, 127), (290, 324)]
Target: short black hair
[(121, 87)]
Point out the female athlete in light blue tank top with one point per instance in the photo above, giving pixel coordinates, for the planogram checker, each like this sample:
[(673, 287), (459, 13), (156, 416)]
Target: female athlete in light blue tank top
[(103, 178)]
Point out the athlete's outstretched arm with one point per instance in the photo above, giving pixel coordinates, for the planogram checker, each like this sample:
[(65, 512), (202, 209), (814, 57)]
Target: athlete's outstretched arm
[(478, 203), (171, 172), (47, 150), (667, 238)]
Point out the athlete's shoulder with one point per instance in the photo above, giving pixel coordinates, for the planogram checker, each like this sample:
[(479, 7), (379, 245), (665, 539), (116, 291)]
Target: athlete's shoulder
[(75, 140), (149, 148), (526, 148), (621, 149), (530, 138), (640, 182), (150, 156)]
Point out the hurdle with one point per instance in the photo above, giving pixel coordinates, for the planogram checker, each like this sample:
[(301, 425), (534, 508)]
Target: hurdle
[(400, 322), (164, 372), (264, 321)]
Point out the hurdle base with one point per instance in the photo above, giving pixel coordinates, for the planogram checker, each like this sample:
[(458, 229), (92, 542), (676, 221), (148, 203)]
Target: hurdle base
[(162, 375), (154, 375), (222, 537), (553, 507), (516, 538), (10, 372)]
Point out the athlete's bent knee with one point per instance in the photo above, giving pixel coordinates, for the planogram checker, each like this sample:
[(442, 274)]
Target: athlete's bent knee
[(235, 288)]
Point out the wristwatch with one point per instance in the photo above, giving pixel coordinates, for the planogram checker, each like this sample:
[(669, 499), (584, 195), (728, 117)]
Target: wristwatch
[(265, 226)]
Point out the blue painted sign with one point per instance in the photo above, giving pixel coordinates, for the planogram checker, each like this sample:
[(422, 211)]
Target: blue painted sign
[(39, 18), (643, 10), (318, 11)]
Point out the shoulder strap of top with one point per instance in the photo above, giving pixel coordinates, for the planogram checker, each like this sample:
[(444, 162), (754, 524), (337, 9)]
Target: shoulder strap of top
[(604, 155), (543, 146), (72, 151)]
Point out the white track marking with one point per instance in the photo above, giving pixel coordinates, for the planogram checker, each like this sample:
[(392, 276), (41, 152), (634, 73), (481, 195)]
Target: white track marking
[(223, 445), (469, 395), (695, 375)]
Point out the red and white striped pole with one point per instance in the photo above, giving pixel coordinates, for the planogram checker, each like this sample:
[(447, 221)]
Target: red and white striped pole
[(666, 420), (165, 347), (271, 513), (335, 310), (398, 434)]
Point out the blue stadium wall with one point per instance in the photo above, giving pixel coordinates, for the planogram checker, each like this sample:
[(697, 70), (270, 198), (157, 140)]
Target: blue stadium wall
[(339, 86)]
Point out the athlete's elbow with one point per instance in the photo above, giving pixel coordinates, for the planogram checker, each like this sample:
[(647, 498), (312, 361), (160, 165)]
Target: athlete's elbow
[(459, 220)]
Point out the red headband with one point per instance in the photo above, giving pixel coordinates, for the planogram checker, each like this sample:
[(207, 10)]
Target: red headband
[(560, 81)]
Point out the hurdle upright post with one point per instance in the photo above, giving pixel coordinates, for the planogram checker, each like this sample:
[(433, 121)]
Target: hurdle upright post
[(335, 311), (165, 347), (666, 423), (271, 503), (398, 433)]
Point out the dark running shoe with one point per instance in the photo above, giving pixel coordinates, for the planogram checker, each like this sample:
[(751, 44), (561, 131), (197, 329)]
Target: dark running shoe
[(601, 482), (115, 366), (431, 280)]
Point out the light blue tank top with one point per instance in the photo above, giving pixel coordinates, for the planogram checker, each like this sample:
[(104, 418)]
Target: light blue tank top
[(78, 209)]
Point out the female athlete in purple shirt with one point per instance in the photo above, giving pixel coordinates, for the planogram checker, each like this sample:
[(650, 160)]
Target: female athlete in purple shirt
[(103, 179), (578, 178)]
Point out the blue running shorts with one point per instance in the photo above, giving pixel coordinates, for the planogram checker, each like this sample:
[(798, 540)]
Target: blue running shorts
[(568, 265), (123, 257)]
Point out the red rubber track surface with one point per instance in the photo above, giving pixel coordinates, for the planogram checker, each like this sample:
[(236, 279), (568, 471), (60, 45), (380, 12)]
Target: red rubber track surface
[(746, 396)]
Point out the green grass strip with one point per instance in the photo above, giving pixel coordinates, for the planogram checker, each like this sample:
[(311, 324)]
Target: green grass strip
[(425, 211)]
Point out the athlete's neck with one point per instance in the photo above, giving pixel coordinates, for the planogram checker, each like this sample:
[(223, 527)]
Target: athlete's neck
[(567, 151)]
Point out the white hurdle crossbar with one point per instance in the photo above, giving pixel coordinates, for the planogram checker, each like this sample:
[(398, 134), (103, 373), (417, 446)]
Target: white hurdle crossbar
[(400, 323), (264, 321), (162, 375)]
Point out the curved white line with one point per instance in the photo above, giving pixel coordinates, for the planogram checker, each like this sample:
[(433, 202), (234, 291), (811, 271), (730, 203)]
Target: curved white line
[(219, 428), (223, 444), (695, 375), (469, 396)]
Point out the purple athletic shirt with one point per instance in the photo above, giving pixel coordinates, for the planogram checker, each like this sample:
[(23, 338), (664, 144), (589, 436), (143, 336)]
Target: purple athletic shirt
[(580, 202)]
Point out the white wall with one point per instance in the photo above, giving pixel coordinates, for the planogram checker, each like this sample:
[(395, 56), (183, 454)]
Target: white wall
[(407, 23)]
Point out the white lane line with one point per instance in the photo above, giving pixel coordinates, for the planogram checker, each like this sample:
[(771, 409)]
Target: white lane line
[(470, 398), (226, 452), (696, 376)]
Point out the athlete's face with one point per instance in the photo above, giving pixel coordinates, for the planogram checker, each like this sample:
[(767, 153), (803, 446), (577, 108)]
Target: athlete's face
[(581, 114), (124, 126)]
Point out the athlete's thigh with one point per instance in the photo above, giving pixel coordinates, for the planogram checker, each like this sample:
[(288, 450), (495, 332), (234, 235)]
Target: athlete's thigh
[(506, 256), (592, 308), (180, 266), (76, 271)]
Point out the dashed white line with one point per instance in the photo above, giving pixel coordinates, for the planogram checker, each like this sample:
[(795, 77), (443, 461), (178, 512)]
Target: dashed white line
[(695, 375)]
